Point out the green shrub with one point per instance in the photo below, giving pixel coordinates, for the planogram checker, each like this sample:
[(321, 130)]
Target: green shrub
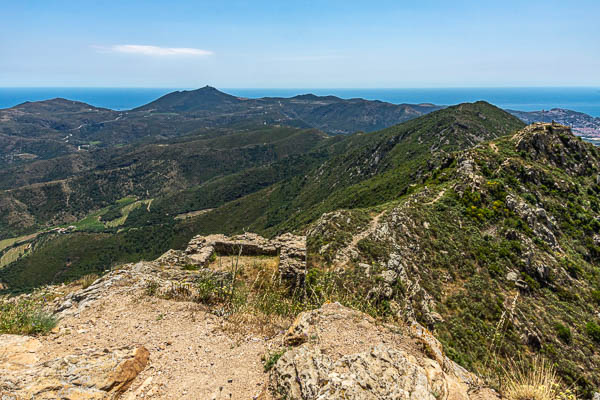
[(271, 359), (25, 317), (573, 269), (211, 290), (152, 288), (563, 333), (593, 330), (532, 283), (375, 250)]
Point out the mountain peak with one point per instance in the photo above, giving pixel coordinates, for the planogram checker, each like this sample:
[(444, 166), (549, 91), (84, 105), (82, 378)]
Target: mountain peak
[(208, 89), (206, 98), (57, 104)]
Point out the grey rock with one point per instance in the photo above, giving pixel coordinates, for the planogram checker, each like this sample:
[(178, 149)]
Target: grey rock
[(512, 276), (315, 371)]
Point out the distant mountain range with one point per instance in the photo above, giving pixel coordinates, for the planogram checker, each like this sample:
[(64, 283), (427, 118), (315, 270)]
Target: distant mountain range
[(51, 128), (46, 129), (330, 114)]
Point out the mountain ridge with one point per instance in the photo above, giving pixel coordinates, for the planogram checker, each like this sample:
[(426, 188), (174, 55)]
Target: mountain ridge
[(501, 236)]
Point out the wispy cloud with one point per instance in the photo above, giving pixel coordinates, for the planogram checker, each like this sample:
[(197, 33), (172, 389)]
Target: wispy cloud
[(153, 50)]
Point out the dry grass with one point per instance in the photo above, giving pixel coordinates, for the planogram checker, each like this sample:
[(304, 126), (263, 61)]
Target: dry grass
[(246, 291), (537, 381), (87, 280), (250, 264)]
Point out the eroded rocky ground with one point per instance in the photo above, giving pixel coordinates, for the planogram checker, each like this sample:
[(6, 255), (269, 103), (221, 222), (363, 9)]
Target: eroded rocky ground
[(117, 340)]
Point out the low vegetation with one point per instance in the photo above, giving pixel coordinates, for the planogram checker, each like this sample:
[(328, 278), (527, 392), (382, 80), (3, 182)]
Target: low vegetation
[(535, 381), (235, 286), (25, 317), (271, 359), (87, 280)]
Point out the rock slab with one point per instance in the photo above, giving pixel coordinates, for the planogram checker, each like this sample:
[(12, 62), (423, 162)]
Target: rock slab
[(86, 374)]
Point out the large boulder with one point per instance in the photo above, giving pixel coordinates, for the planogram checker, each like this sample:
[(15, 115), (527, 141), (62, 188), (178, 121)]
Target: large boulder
[(344, 354)]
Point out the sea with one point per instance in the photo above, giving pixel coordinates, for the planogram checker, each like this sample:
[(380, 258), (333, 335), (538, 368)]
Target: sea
[(582, 99)]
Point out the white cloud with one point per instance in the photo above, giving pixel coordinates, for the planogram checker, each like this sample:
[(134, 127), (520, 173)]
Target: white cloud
[(154, 50)]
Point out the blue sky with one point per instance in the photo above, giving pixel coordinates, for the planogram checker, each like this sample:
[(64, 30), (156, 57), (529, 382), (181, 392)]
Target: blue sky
[(300, 44)]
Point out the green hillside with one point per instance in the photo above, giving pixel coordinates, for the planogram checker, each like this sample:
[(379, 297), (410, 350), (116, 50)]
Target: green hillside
[(285, 184), (497, 251), (148, 171), (364, 170)]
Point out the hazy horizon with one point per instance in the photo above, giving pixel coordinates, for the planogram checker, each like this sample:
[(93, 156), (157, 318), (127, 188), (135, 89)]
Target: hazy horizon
[(582, 99)]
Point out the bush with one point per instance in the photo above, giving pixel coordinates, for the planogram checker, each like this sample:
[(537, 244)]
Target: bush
[(563, 333), (152, 288), (593, 330), (25, 317), (212, 290)]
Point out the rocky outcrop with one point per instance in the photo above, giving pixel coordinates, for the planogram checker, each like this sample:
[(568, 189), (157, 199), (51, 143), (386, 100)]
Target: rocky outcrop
[(538, 220), (85, 374), (164, 280), (417, 300), (367, 361), (553, 143)]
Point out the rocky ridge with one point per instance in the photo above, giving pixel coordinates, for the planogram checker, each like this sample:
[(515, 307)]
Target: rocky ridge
[(369, 361), (116, 341), (496, 232)]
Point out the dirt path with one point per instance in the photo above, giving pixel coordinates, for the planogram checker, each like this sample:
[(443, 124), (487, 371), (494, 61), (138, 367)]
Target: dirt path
[(192, 356), (343, 255), (439, 196)]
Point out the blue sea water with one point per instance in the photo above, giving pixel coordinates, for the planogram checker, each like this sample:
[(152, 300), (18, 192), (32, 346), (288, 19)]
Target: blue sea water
[(114, 98), (583, 99)]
